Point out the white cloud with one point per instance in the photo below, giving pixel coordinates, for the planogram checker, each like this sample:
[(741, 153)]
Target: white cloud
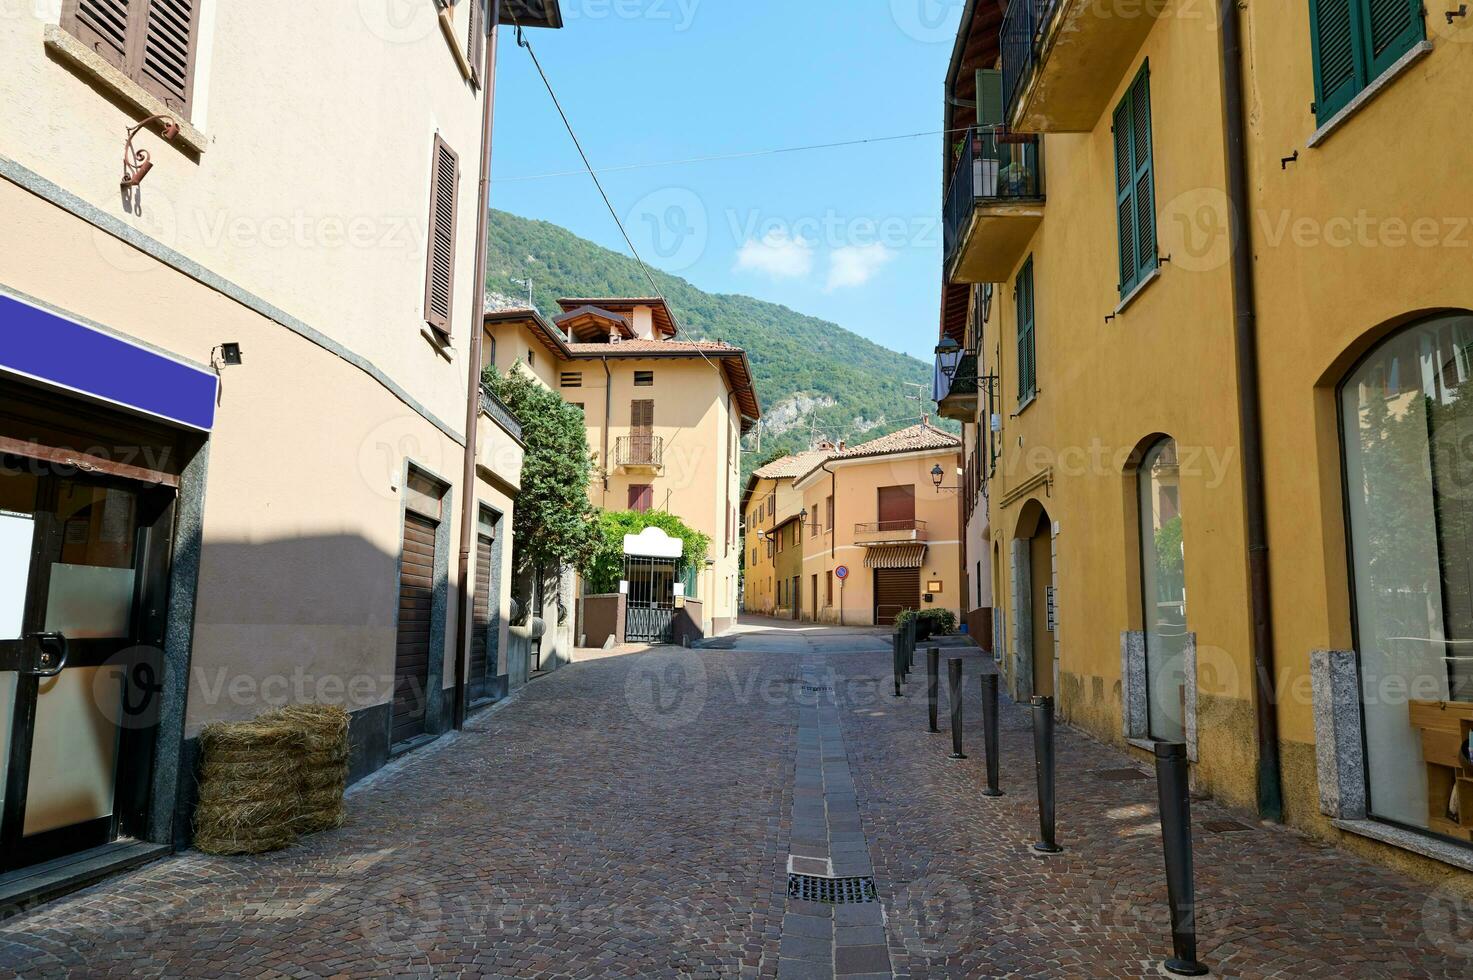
[(777, 254), (855, 265)]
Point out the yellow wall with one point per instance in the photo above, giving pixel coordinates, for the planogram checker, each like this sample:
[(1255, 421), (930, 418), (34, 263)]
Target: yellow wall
[(855, 486), (1335, 267)]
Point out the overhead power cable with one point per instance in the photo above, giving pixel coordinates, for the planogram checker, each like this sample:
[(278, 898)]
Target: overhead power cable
[(741, 155)]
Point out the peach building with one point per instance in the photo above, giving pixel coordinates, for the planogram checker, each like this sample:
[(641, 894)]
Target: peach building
[(665, 417), (877, 527)]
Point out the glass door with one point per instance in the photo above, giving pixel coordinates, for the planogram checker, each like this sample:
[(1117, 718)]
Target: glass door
[(82, 569)]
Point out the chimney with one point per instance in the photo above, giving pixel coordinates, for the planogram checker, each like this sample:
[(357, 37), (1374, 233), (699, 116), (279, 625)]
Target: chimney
[(926, 419), (840, 446)]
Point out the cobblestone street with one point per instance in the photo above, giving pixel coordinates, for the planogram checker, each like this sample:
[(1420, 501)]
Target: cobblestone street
[(635, 815)]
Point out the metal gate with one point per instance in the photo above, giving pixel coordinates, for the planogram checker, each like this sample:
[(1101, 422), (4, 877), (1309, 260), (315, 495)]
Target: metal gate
[(649, 613)]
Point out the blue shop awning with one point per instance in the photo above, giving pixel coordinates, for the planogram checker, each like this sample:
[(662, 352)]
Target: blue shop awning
[(56, 351)]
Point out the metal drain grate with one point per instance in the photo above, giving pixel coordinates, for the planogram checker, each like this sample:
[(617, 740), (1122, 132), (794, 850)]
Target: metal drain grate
[(832, 891), (1223, 826), (817, 689), (1120, 775)]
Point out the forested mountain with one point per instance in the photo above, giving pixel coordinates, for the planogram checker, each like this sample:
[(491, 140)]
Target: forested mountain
[(814, 377)]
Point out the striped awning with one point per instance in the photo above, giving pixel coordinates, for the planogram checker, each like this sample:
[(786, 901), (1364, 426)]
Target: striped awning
[(895, 556)]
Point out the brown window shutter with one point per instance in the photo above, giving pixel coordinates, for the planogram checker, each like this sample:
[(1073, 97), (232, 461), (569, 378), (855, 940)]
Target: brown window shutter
[(164, 55), (103, 25), (475, 49), (440, 269)]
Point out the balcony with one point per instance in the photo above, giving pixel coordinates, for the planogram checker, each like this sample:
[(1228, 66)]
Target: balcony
[(1062, 60), (993, 206), (640, 454), (890, 532), (958, 396)]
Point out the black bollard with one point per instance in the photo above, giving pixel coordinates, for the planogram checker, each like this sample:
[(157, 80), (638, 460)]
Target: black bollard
[(1043, 754), (933, 685), (954, 675), (896, 661), (1176, 840), (989, 732)]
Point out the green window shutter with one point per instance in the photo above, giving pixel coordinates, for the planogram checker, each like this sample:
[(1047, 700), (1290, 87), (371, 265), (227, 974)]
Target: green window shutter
[(1392, 27), (1144, 177), (1338, 75), (1135, 183), (1027, 348), (1125, 192), (989, 98)]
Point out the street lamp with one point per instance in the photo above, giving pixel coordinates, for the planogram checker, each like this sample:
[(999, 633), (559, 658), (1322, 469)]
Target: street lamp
[(949, 358), (938, 476)]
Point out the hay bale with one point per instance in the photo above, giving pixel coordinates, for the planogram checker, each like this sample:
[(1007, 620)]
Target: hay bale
[(243, 767), (322, 763)]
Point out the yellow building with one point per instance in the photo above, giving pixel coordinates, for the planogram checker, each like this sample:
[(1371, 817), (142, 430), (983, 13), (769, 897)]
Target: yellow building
[(876, 524), (664, 436), (772, 530), (1206, 297)]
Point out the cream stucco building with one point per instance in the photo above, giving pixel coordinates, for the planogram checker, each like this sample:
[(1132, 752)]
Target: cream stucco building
[(665, 417), (236, 382)]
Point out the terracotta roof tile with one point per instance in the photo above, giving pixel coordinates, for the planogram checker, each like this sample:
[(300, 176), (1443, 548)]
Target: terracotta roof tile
[(792, 466), (916, 438), (630, 348)]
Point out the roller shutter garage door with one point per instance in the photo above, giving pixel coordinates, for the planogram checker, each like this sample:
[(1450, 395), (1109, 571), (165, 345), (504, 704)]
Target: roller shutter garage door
[(412, 654), (480, 667), (896, 589)]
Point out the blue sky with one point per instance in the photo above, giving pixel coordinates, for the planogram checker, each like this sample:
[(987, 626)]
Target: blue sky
[(850, 234)]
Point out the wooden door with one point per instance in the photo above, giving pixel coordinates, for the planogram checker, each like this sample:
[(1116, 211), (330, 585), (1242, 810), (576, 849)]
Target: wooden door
[(897, 508), (642, 430), (896, 589), (412, 652), (482, 665)]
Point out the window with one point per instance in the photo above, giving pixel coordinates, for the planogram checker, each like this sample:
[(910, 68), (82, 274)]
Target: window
[(829, 513), (475, 48), (531, 358), (1163, 591), (1135, 183), (641, 497), (152, 42), (1027, 345), (488, 351), (1406, 415), (578, 406), (572, 379), (1354, 42), (828, 599), (643, 379), (440, 268)]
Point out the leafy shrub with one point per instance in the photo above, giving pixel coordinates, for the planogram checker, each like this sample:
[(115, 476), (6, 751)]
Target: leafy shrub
[(941, 621)]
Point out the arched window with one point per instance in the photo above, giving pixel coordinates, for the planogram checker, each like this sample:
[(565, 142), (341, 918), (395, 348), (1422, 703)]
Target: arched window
[(1407, 426), (1163, 591)]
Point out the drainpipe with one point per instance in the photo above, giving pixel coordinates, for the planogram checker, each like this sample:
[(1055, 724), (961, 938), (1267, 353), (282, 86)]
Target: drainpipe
[(473, 370), (1250, 423), (608, 418), (834, 532)]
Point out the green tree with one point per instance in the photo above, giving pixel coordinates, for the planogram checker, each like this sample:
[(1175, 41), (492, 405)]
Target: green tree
[(607, 567), (554, 524)]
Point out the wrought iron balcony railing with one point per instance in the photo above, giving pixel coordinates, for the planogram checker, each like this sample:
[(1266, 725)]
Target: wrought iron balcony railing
[(879, 532), (993, 167), (639, 450), (1022, 35)]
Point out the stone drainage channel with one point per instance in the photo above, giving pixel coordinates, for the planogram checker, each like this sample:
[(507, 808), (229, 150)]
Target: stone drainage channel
[(842, 933)]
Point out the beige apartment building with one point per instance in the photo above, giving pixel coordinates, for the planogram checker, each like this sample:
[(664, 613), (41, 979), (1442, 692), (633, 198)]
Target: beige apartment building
[(854, 535), (665, 417), (236, 391)]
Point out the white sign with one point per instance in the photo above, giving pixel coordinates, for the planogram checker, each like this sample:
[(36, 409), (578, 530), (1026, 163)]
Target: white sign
[(623, 586), (16, 534), (653, 543), (679, 590)]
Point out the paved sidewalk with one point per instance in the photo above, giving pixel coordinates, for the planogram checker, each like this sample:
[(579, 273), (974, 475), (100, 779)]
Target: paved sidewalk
[(635, 816)]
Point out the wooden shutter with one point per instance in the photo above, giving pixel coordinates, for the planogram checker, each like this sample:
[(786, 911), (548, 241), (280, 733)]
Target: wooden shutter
[(1391, 28), (642, 417), (1027, 348), (105, 26), (641, 497), (897, 507), (151, 41), (482, 631), (1135, 190), (475, 48), (1333, 45), (412, 649), (166, 59), (990, 106), (440, 269)]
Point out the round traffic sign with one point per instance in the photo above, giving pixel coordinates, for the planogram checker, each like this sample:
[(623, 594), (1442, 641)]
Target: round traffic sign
[(842, 572)]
